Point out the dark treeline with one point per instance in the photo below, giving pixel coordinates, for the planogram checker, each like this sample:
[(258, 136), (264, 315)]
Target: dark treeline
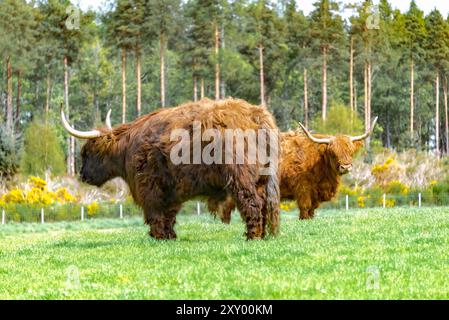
[(136, 56)]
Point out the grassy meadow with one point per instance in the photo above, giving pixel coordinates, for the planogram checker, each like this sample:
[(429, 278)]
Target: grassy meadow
[(359, 254)]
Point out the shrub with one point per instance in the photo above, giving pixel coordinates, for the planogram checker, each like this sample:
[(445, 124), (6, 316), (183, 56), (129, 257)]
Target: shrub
[(36, 193), (388, 172), (93, 208), (288, 205), (339, 120), (10, 152), (43, 153)]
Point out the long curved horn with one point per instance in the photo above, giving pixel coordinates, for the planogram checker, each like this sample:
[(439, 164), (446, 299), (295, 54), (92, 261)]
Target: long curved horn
[(108, 120), (366, 134), (311, 137), (77, 133)]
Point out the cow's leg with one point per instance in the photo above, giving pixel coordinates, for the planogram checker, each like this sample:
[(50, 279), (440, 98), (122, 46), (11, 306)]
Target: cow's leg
[(304, 205), (156, 220), (226, 208), (213, 205), (312, 210), (303, 213), (249, 204), (169, 222), (162, 222)]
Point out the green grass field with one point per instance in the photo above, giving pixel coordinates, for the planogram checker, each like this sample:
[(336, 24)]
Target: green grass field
[(364, 254)]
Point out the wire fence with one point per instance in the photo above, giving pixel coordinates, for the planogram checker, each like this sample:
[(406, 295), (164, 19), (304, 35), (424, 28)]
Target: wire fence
[(388, 201), (79, 212)]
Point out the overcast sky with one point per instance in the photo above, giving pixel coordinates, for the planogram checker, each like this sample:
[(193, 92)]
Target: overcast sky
[(307, 5)]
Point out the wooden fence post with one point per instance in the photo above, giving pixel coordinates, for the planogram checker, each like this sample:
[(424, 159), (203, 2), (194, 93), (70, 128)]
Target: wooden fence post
[(384, 200), (82, 213), (347, 202), (3, 216), (121, 211), (42, 216), (419, 200), (198, 209)]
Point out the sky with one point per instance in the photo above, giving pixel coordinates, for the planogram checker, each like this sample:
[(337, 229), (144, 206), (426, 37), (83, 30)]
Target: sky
[(307, 5)]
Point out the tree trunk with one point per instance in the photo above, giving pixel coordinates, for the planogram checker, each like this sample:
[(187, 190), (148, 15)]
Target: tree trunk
[(351, 80), (123, 85), (72, 152), (306, 100), (324, 84), (355, 98), (139, 80), (19, 96), (9, 106), (369, 93), (412, 96), (437, 114), (47, 95), (388, 129), (222, 81), (202, 88), (446, 124), (66, 86), (262, 76), (195, 88), (162, 65), (70, 140), (365, 90), (217, 63)]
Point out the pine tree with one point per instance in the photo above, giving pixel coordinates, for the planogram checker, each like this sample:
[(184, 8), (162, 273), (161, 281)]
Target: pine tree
[(17, 42), (198, 43), (69, 39), (162, 22), (437, 48), (121, 35), (266, 34), (298, 40), (413, 42), (327, 30), (364, 36)]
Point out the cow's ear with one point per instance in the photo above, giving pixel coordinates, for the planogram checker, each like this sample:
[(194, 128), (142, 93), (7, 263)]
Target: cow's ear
[(358, 145)]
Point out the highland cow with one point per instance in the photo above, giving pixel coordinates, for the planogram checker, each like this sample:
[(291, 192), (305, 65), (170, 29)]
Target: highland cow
[(141, 153), (310, 168)]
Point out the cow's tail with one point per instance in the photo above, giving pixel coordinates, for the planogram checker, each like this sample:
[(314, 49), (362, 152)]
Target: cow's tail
[(273, 194)]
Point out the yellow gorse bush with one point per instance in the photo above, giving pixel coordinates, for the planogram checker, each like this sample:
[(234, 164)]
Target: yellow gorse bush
[(396, 187), (93, 208), (14, 196), (345, 190), (37, 182), (389, 171), (37, 194), (288, 206), (361, 201)]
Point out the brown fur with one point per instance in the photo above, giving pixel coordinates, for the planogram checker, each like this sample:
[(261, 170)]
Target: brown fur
[(309, 172), (139, 152)]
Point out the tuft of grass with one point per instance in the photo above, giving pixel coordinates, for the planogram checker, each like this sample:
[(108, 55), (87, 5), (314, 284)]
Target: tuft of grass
[(358, 254)]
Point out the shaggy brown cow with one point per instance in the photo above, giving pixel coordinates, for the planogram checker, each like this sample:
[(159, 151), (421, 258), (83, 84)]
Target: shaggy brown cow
[(311, 167), (140, 153)]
